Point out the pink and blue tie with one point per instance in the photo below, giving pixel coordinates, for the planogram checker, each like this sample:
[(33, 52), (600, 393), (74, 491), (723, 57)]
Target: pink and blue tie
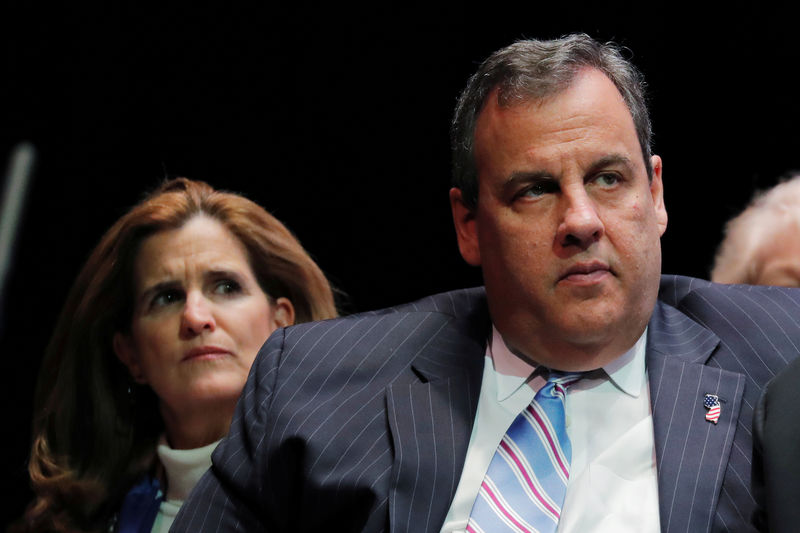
[(526, 482)]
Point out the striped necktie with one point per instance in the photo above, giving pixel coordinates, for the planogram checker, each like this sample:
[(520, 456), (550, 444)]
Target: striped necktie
[(524, 487)]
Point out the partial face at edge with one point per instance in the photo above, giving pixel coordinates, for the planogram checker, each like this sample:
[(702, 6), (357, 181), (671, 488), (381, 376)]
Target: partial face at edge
[(778, 261), (567, 225)]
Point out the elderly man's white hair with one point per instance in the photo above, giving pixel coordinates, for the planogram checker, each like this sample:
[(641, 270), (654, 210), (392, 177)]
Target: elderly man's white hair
[(771, 215)]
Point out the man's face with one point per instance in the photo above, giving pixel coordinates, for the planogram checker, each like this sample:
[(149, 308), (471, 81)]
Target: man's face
[(567, 225)]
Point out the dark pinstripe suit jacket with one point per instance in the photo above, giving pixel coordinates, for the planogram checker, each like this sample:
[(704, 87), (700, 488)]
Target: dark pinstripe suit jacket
[(776, 460), (362, 423)]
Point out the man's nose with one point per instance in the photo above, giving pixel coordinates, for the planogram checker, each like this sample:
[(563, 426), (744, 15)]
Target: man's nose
[(197, 315), (581, 225)]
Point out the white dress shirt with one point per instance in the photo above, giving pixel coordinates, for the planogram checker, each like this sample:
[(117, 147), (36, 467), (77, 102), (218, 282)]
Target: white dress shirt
[(612, 485)]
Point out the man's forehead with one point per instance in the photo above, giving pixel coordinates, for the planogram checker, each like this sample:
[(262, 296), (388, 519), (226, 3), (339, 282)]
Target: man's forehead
[(590, 107), (505, 98), (515, 92)]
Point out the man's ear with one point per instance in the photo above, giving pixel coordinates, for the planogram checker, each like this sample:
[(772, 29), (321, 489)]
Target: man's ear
[(657, 192), (126, 353), (282, 312), (466, 228)]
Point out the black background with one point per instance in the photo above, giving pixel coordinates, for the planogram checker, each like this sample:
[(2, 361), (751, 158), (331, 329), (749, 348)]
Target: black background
[(336, 121)]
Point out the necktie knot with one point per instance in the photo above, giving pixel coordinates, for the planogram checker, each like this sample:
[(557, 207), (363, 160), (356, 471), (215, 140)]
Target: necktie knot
[(564, 378), (557, 383)]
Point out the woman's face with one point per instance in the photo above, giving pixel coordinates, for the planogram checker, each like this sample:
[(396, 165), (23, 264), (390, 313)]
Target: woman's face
[(199, 317)]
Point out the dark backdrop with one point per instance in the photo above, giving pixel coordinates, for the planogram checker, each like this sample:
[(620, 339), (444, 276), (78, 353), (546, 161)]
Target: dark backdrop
[(337, 123)]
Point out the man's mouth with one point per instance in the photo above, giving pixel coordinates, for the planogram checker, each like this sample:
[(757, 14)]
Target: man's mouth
[(586, 273)]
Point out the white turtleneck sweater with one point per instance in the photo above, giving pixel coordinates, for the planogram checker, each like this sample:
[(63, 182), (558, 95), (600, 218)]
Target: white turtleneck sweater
[(183, 469)]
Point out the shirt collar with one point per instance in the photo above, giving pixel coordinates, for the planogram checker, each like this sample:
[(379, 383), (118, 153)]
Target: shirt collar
[(626, 372)]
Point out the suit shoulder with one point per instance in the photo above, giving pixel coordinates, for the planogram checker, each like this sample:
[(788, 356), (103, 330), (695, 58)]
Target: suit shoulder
[(392, 325), (462, 303), (675, 290), (757, 322), (458, 303)]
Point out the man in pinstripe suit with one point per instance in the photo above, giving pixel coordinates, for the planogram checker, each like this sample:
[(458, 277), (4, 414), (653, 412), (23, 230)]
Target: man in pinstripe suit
[(386, 421)]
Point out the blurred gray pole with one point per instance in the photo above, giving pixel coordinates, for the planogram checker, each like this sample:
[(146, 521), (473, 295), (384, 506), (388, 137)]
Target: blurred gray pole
[(18, 177)]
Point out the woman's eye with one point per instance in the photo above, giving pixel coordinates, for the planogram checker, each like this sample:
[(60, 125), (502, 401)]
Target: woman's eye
[(227, 286), (165, 298)]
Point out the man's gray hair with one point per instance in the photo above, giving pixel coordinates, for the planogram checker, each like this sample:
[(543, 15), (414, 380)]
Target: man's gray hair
[(530, 70)]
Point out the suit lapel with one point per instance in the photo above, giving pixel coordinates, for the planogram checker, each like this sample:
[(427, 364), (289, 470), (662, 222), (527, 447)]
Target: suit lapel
[(431, 420), (691, 452)]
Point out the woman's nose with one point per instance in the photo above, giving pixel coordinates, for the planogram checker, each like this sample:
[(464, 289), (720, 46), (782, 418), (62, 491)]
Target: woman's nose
[(197, 316)]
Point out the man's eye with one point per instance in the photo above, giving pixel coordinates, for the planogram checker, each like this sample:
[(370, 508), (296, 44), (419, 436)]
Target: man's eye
[(537, 190), (227, 286), (167, 297), (607, 179)]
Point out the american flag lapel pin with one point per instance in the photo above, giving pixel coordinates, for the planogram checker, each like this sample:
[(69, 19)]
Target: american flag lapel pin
[(711, 402)]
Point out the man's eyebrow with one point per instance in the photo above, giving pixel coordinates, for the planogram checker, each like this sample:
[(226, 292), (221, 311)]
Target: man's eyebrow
[(524, 176), (611, 160)]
